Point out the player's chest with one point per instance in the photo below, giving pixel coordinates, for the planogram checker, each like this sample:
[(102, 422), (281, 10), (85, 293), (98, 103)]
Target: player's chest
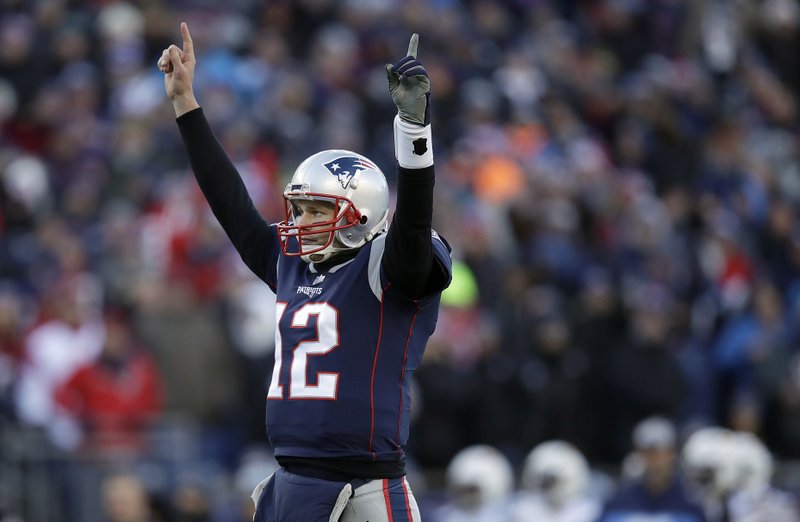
[(331, 316), (344, 289)]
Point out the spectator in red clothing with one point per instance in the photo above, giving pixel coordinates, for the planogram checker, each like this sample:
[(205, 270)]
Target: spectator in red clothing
[(115, 397)]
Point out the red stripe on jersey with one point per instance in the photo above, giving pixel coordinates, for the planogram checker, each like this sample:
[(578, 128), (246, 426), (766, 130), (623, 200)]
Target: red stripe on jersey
[(372, 379), (387, 500), (402, 374)]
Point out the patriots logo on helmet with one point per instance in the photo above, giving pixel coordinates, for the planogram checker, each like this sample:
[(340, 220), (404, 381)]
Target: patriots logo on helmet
[(346, 167)]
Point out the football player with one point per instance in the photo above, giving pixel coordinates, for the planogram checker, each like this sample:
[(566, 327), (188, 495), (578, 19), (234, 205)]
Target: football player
[(357, 299), (652, 488)]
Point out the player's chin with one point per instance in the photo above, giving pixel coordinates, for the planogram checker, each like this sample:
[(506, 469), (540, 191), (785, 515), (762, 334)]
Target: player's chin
[(314, 243)]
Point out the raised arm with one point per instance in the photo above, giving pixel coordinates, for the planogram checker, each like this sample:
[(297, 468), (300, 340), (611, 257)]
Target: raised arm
[(410, 261), (221, 184)]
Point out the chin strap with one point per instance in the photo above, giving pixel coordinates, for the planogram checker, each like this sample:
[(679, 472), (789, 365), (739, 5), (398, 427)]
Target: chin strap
[(307, 258), (325, 255), (345, 253)]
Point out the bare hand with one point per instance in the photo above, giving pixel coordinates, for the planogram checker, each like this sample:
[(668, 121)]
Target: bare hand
[(178, 68)]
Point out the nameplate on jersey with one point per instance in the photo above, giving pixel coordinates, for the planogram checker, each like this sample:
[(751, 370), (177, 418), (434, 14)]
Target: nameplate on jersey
[(310, 291)]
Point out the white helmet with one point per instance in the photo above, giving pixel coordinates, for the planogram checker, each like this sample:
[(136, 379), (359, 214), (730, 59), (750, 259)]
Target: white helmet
[(708, 461), (754, 462), (479, 475), (556, 469), (359, 192)]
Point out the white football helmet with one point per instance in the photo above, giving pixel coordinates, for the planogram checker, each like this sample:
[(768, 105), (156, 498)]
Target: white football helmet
[(479, 475), (557, 470), (354, 185), (708, 459)]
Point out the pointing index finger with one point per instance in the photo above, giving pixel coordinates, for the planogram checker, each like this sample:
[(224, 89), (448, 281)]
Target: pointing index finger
[(188, 46), (413, 44)]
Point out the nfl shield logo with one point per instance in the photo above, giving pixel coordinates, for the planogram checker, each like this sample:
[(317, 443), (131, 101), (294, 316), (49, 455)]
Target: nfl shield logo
[(346, 167)]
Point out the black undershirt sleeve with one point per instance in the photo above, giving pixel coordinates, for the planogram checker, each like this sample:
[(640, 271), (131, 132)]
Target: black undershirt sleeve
[(226, 193), (408, 261)]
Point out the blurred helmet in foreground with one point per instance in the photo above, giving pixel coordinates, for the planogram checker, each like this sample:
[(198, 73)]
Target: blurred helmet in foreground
[(708, 459), (479, 475), (557, 470)]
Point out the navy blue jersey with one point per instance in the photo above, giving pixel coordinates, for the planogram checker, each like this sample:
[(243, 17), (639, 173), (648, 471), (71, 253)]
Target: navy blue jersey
[(347, 344)]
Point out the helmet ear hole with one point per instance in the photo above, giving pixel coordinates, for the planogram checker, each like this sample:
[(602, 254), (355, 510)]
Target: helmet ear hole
[(363, 219)]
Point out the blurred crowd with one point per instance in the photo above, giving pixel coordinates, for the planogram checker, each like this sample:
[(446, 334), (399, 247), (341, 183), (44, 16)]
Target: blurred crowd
[(715, 475), (619, 180)]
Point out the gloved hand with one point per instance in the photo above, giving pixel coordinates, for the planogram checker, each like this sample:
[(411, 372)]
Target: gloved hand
[(410, 86)]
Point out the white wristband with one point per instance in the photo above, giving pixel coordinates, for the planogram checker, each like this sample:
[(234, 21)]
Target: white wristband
[(413, 146)]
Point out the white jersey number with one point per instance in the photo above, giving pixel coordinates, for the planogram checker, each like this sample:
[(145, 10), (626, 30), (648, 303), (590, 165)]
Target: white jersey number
[(327, 340)]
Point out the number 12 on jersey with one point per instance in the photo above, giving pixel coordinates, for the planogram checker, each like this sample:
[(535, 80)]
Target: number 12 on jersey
[(327, 340)]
